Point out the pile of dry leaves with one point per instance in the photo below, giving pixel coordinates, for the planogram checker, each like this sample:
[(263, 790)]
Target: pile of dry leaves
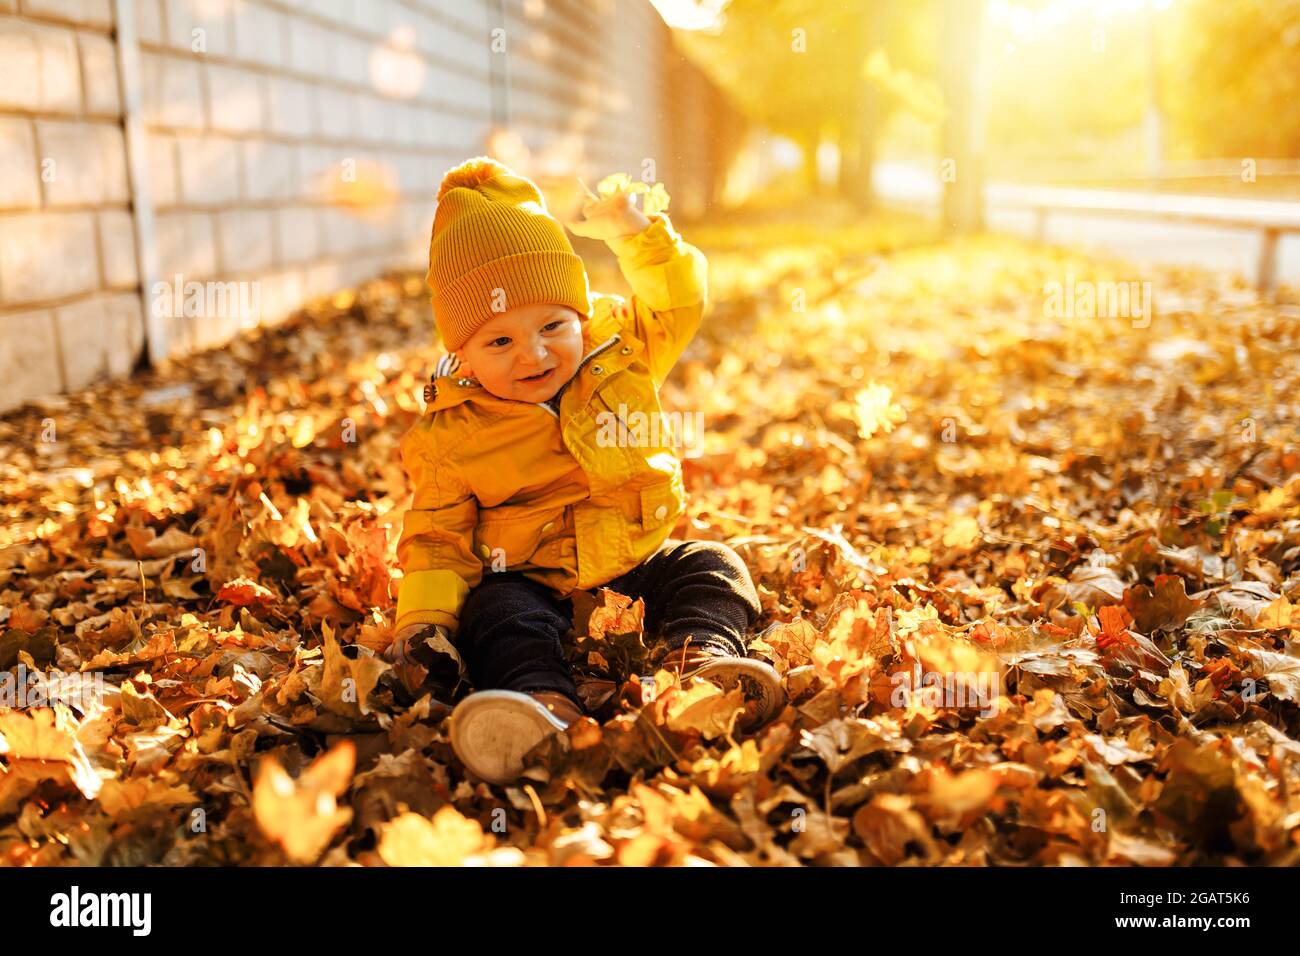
[(1029, 581)]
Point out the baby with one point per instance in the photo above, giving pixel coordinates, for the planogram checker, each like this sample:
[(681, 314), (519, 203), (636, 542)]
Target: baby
[(519, 498)]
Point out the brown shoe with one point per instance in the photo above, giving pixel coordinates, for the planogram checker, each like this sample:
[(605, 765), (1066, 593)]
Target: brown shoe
[(492, 730), (758, 681), (558, 704)]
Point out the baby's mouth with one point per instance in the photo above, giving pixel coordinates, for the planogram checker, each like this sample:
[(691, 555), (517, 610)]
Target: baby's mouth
[(539, 377)]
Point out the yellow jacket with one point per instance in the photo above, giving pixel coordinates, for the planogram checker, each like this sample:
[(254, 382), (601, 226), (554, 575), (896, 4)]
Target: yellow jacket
[(573, 500)]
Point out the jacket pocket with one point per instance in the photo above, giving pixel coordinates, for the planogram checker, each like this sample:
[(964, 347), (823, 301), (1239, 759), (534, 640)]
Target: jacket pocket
[(505, 542), (660, 503)]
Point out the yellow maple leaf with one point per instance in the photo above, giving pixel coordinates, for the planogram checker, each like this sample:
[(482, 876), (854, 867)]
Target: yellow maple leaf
[(303, 815), (447, 840)]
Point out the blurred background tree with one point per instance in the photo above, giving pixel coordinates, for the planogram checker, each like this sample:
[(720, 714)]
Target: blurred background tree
[(1233, 78), (1062, 90), (824, 72)]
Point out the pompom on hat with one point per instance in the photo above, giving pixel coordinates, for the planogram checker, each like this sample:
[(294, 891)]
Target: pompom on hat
[(495, 246)]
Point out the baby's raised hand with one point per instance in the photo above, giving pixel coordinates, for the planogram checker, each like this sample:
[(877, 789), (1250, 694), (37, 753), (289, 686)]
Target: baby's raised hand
[(613, 214)]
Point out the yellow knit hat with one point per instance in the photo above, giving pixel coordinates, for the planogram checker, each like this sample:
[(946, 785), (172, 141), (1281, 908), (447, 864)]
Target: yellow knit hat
[(495, 246)]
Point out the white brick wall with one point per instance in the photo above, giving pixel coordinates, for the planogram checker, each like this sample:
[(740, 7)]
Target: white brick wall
[(83, 164), (39, 67), (47, 255), (236, 99), (252, 113), (95, 13), (117, 249), (29, 355), (99, 327), (187, 246), (209, 169), (99, 74), (20, 187)]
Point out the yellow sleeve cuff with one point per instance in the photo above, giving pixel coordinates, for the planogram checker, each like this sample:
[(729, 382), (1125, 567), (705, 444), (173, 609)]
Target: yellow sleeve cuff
[(431, 597), (664, 271)]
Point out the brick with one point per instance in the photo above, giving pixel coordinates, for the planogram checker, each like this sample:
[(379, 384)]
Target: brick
[(340, 232), (99, 338), (60, 70), (235, 100), (292, 107), (186, 246), (269, 170), (117, 249), (162, 169), (374, 120), (199, 26), (319, 168), (20, 66), (149, 21), (91, 13), (395, 67), (401, 121), (173, 92), (228, 306), (321, 279), (338, 114), (82, 332), (46, 255), (247, 241), (20, 186), (88, 163), (456, 10), (258, 33), (417, 176), (209, 169), (38, 67), (329, 9), (281, 295), (352, 60), (29, 357), (360, 16), (297, 234), (311, 49), (125, 322), (99, 73)]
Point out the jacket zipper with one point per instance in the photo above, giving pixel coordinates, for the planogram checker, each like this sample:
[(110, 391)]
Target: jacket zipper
[(598, 349), (581, 365)]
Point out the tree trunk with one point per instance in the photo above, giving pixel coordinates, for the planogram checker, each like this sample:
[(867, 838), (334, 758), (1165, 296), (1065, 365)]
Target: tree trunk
[(812, 177), (962, 169), (850, 164)]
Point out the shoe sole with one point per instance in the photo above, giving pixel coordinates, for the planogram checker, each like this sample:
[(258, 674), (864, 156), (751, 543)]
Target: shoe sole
[(492, 730), (758, 681)]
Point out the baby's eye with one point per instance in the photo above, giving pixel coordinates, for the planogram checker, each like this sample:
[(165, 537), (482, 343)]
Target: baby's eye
[(504, 340), (552, 326)]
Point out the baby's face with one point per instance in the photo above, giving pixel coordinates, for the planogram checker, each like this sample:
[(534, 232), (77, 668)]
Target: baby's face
[(526, 354)]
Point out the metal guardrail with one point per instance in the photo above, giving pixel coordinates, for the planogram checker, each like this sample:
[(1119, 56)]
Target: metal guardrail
[(1271, 219)]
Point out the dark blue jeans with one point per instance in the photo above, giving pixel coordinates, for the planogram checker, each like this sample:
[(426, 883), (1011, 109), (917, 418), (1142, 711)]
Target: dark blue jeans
[(512, 628)]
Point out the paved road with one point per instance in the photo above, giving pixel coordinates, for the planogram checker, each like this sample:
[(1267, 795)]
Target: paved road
[(1142, 239)]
